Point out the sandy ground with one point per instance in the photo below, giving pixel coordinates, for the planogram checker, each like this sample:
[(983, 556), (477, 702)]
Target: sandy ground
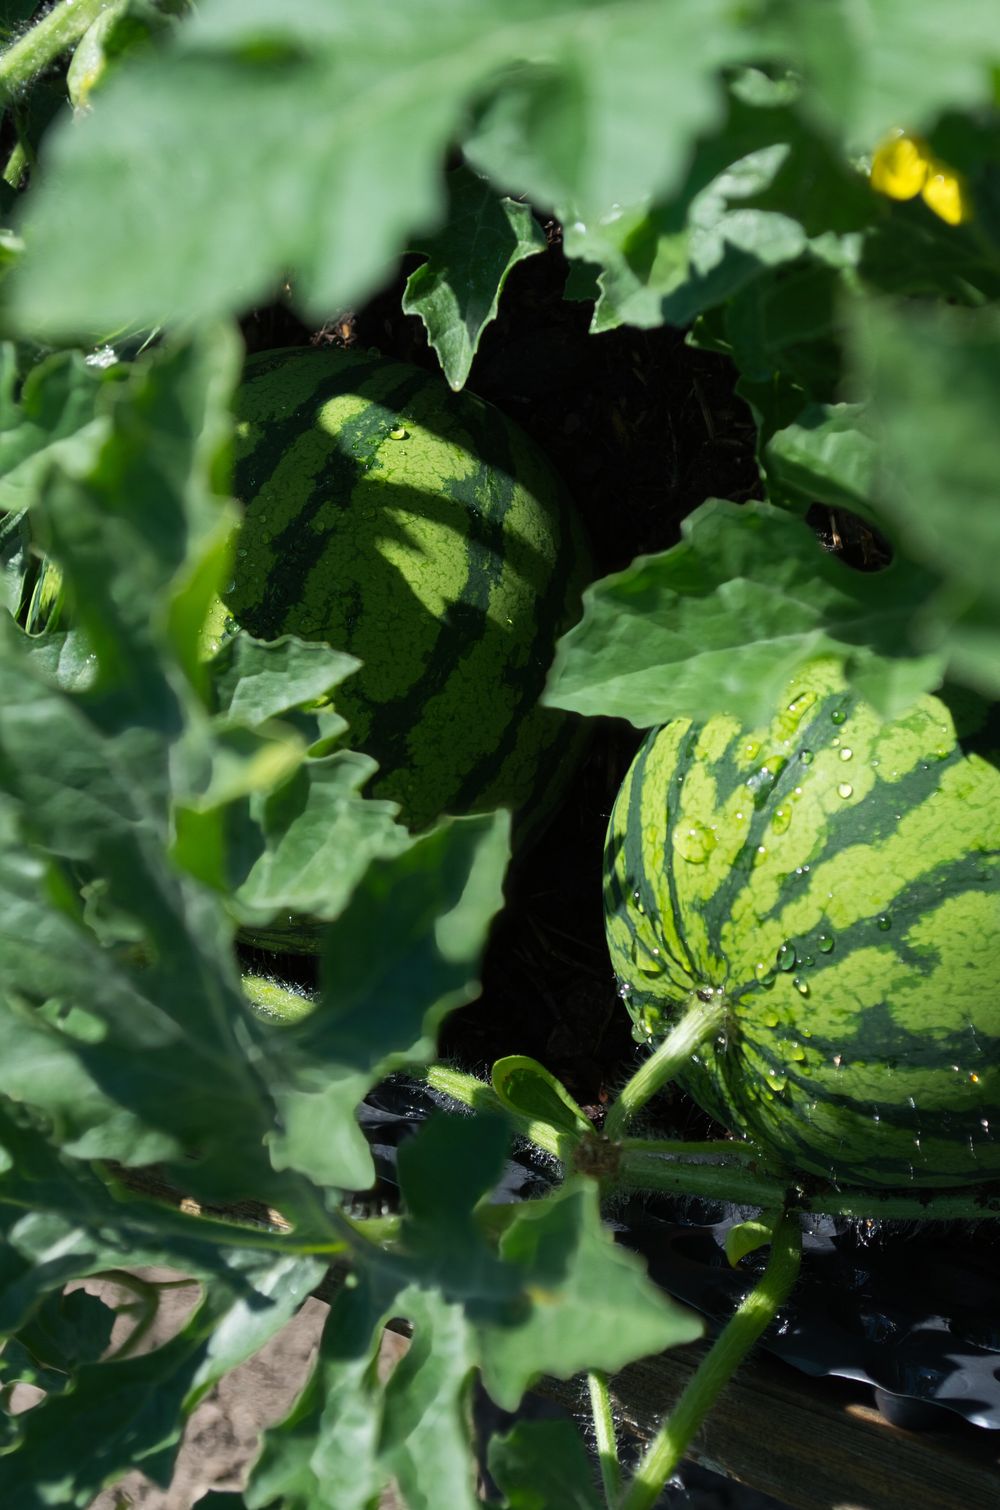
[(222, 1437)]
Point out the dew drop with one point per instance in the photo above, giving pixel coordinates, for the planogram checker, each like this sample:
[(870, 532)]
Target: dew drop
[(845, 789), (846, 753), (838, 716), (796, 1052), (399, 433), (806, 757), (761, 782), (751, 748), (694, 842), (808, 961), (787, 958), (770, 1019), (782, 818), (824, 943), (883, 923), (801, 986)]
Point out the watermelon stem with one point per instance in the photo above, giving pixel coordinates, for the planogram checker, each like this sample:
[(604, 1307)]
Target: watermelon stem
[(754, 1313), (604, 1433), (702, 1019), (60, 28)]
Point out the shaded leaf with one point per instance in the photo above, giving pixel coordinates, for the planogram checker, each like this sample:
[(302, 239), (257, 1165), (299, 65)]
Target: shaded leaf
[(402, 954), (456, 292), (544, 1463)]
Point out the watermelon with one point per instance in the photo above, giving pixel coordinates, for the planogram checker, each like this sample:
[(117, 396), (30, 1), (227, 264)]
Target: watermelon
[(834, 879), (422, 532)]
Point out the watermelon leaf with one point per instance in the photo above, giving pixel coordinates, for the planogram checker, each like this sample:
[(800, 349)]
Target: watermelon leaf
[(933, 375), (826, 455), (153, 242), (544, 1463), (721, 622), (318, 837), (254, 680), (528, 1088), (456, 292), (385, 990)]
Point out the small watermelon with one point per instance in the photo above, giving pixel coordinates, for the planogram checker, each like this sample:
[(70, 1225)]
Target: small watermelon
[(836, 879), (421, 531)]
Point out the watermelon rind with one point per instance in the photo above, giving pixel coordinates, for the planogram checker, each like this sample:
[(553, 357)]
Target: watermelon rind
[(422, 532), (836, 877)]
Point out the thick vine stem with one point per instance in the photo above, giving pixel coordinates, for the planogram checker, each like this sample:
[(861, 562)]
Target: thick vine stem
[(702, 1019), (752, 1316), (57, 30)]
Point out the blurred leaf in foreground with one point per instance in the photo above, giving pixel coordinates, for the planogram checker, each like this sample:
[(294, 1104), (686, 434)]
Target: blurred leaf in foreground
[(934, 375), (579, 105)]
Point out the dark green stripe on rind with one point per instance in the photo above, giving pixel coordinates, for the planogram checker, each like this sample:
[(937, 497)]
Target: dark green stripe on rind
[(874, 1056)]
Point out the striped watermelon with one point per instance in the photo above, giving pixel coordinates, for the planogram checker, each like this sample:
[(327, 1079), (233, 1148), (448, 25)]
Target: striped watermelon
[(836, 878), (422, 532)]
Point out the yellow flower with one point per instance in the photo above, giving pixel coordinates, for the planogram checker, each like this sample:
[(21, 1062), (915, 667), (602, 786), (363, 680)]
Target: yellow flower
[(903, 166), (943, 194)]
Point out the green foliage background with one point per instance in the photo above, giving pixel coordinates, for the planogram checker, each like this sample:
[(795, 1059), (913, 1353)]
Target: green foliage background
[(708, 163)]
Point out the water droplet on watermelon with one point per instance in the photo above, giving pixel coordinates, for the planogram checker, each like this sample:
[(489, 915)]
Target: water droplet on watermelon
[(883, 923), (824, 943), (782, 818), (846, 753), (760, 854), (806, 757), (838, 716), (801, 986), (808, 961), (751, 748), (845, 789), (786, 957), (800, 705), (876, 764), (796, 1052), (399, 433), (694, 842), (761, 782), (835, 743), (770, 1019)]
